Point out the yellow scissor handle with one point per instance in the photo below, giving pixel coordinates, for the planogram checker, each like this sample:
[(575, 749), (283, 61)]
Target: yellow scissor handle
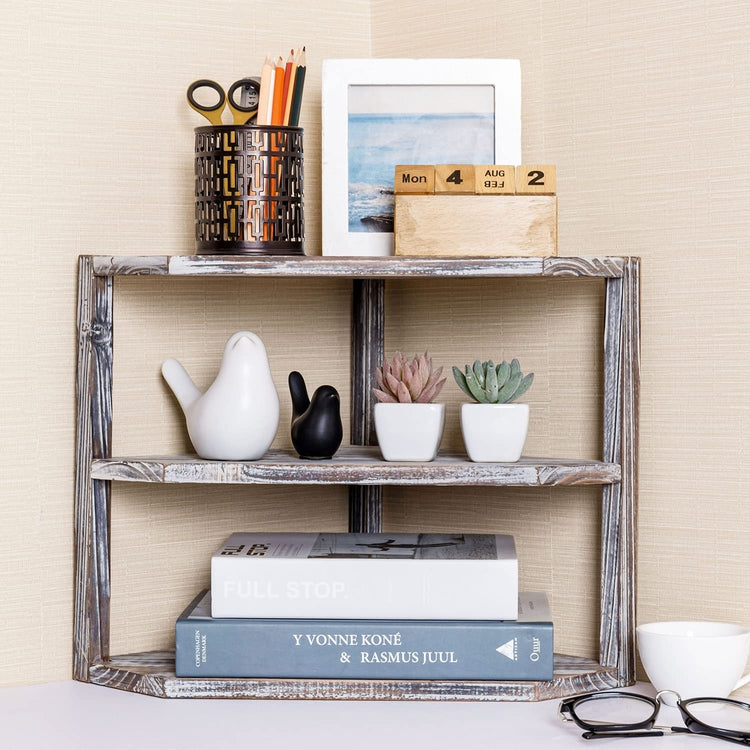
[(212, 114)]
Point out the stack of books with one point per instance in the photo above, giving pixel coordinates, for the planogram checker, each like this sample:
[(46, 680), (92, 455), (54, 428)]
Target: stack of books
[(366, 606)]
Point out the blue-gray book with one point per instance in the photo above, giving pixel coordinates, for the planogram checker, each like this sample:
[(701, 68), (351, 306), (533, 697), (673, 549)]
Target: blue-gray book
[(519, 649)]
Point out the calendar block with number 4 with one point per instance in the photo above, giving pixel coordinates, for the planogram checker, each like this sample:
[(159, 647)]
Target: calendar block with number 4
[(454, 178)]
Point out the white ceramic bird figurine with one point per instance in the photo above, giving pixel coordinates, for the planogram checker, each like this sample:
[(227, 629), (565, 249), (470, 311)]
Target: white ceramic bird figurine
[(236, 419)]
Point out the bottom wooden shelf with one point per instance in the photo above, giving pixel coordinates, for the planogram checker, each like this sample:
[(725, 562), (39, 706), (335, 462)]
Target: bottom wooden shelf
[(152, 673)]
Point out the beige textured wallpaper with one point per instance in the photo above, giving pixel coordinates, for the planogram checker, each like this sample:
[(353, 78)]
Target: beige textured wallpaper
[(645, 110), (98, 158)]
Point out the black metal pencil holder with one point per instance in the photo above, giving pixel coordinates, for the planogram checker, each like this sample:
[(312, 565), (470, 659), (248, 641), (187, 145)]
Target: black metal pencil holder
[(248, 190)]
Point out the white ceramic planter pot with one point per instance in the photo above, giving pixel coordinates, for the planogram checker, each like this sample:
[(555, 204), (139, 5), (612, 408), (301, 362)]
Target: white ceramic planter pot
[(494, 432), (409, 432)]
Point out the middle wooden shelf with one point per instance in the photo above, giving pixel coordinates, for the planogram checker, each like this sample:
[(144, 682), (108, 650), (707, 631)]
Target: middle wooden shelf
[(355, 465)]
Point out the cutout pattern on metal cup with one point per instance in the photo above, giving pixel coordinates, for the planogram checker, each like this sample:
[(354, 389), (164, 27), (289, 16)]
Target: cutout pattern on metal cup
[(249, 190)]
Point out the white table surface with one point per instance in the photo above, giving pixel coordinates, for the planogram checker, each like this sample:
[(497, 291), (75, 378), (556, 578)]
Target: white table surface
[(77, 716)]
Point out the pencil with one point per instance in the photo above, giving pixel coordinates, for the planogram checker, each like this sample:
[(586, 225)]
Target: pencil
[(290, 89), (277, 113), (287, 82), (266, 92), (299, 85)]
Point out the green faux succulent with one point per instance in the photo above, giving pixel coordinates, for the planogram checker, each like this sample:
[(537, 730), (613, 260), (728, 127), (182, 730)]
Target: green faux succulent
[(488, 384)]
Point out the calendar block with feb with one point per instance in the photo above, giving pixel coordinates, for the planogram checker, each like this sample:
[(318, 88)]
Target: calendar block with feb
[(494, 179)]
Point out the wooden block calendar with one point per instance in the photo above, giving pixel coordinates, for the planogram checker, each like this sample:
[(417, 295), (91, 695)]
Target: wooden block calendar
[(509, 211)]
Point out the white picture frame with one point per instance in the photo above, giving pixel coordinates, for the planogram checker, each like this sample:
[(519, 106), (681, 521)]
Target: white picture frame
[(469, 92)]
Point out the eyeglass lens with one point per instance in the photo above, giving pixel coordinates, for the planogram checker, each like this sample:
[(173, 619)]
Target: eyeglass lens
[(614, 710), (719, 714)]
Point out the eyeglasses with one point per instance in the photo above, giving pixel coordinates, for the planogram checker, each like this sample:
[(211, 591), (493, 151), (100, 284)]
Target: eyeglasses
[(619, 714)]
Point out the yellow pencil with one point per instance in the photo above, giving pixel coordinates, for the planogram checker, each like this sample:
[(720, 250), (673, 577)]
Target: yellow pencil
[(265, 97)]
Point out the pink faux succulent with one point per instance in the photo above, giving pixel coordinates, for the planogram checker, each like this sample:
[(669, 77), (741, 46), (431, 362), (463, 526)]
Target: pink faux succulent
[(404, 382)]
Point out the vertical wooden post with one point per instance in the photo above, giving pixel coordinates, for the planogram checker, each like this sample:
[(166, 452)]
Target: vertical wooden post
[(630, 417), (93, 440), (621, 383), (368, 331), (611, 550)]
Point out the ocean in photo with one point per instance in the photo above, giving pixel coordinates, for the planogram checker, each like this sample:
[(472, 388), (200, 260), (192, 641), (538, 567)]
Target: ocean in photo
[(377, 143)]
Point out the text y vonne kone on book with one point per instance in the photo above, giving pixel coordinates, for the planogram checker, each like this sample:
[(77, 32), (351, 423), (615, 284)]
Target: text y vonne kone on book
[(367, 576)]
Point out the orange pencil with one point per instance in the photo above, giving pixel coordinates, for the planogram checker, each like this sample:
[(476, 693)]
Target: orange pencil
[(277, 114)]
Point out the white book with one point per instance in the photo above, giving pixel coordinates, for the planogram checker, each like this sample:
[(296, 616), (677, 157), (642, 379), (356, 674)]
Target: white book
[(366, 576)]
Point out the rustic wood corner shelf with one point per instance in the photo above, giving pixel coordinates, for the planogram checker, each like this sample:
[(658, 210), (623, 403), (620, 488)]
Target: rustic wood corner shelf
[(357, 466)]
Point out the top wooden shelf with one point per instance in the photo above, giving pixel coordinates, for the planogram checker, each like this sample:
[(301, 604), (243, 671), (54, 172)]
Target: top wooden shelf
[(351, 267)]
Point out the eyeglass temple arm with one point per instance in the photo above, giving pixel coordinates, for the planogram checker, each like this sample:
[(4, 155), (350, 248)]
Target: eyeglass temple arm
[(609, 735), (708, 733)]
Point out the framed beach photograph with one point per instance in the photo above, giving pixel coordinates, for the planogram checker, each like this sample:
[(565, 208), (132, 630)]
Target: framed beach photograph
[(380, 113)]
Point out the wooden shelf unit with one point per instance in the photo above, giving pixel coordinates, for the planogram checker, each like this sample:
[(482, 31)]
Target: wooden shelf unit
[(357, 466)]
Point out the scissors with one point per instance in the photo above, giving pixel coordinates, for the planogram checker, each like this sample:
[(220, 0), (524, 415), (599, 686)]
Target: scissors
[(243, 112)]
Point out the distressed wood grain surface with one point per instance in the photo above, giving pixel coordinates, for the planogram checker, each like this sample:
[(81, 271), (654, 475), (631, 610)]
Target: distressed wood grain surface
[(141, 265), (367, 341), (465, 225), (152, 673), (356, 465), (337, 266), (605, 267), (621, 385), (92, 496), (629, 461)]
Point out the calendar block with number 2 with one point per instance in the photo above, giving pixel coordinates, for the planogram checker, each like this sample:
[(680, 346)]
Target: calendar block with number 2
[(535, 179)]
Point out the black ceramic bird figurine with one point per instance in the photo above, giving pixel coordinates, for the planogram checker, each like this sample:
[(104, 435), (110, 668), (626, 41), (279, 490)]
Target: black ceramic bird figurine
[(316, 424)]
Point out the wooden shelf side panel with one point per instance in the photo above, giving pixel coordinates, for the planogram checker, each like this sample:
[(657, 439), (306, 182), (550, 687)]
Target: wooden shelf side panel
[(619, 501), (92, 497)]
